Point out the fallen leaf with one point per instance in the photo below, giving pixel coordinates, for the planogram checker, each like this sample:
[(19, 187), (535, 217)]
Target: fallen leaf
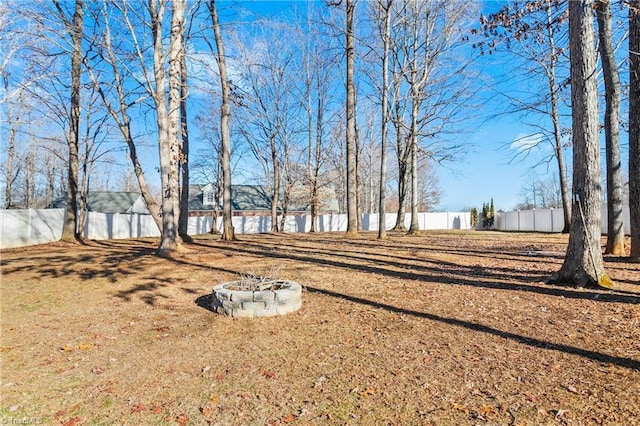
[(207, 410), (182, 420), (460, 407), (572, 389), (368, 392), (138, 408), (267, 374), (487, 410), (156, 408), (288, 418), (73, 421), (84, 346), (215, 399)]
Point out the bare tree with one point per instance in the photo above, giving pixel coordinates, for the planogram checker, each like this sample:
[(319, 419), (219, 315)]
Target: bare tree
[(583, 264), (117, 82), (384, 9), (429, 84), (70, 230), (634, 126), (168, 117), (317, 67), (615, 227), (225, 114), (352, 207), (530, 30), (13, 120)]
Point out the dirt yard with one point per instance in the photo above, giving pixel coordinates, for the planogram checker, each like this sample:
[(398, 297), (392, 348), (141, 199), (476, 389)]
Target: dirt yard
[(448, 328)]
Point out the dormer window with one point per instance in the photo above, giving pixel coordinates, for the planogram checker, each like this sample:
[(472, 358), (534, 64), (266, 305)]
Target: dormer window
[(208, 198)]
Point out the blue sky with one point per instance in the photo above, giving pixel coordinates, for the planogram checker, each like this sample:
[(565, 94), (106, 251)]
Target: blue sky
[(486, 170)]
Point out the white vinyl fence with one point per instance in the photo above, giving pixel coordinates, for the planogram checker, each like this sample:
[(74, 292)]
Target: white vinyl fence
[(547, 220), (27, 227)]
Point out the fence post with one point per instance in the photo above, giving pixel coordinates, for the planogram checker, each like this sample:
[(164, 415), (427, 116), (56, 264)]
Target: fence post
[(534, 220)]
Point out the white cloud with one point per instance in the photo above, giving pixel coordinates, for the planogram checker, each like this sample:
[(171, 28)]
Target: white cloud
[(527, 143)]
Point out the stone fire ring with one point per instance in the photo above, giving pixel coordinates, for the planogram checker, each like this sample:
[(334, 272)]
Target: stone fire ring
[(284, 298)]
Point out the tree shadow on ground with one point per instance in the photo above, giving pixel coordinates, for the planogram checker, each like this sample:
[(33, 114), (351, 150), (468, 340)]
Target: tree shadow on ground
[(465, 275), (529, 341), (204, 302)]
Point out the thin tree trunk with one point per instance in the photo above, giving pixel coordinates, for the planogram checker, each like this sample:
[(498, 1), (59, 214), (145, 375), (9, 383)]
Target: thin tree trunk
[(352, 207), (70, 231), (216, 203), (403, 159), (11, 148), (555, 119), (276, 185), (309, 108), (583, 264), (183, 222), (634, 126), (415, 227), (225, 115), (123, 121), (315, 201), (615, 227), (384, 118)]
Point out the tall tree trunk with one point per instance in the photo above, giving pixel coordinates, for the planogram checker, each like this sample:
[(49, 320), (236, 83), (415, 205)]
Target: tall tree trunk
[(403, 159), (315, 200), (183, 222), (358, 176), (276, 185), (555, 119), (583, 264), (70, 231), (309, 109), (634, 126), (415, 227), (123, 121), (11, 148), (168, 120), (352, 207), (225, 115), (615, 227), (384, 119)]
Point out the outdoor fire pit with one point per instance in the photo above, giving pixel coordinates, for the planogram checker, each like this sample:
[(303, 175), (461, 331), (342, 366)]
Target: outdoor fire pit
[(256, 297)]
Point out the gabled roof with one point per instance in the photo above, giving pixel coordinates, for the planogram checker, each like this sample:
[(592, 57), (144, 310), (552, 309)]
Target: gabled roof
[(108, 202), (243, 198), (249, 198)]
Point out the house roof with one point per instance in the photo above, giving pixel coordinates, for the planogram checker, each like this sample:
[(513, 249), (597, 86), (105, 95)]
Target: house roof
[(243, 198), (108, 202)]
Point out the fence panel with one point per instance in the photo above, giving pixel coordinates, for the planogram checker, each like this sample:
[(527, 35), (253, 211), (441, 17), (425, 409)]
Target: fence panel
[(27, 227)]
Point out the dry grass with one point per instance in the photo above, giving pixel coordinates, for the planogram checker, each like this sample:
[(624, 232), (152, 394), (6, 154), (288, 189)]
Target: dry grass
[(447, 328)]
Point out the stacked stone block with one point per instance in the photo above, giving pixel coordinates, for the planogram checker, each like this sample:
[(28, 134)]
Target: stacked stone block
[(262, 303)]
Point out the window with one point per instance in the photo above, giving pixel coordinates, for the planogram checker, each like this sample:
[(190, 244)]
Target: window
[(208, 198)]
